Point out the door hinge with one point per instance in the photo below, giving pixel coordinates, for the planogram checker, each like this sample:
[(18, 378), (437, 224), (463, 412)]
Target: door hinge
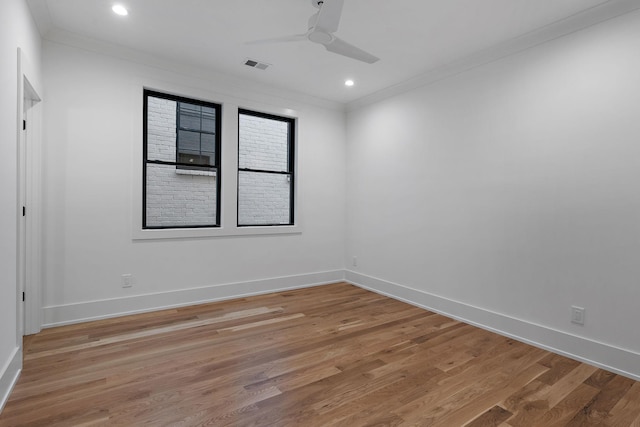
[(24, 125), (24, 211), (23, 297)]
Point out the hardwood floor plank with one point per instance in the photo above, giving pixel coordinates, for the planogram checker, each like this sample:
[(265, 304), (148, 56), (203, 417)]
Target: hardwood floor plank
[(561, 388), (529, 413), (361, 412), (492, 417), (597, 410), (558, 367), (564, 410), (627, 408), (470, 399), (600, 379), (332, 355), (521, 398), (469, 382), (486, 395)]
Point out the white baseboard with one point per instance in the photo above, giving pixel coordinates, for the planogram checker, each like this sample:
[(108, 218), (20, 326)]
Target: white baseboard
[(9, 375), (606, 356), (94, 310)]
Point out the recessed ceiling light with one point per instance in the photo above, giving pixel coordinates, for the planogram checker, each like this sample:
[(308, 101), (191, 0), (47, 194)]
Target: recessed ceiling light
[(120, 10), (349, 83)]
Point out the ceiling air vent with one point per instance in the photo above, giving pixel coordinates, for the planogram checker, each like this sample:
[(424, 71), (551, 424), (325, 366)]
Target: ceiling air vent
[(256, 64)]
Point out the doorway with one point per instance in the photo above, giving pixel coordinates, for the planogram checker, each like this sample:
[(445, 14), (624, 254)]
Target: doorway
[(28, 194)]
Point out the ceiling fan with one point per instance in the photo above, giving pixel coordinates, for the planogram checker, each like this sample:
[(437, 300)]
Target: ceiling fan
[(322, 25)]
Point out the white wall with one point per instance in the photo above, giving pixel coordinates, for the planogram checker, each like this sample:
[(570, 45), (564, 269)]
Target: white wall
[(511, 191), (92, 146), (17, 31)]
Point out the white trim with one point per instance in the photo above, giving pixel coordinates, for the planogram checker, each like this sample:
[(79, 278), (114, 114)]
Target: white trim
[(228, 169), (102, 309), (195, 172), (197, 233), (9, 375), (31, 188), (21, 192), (606, 356), (33, 278), (587, 18), (621, 361), (602, 12)]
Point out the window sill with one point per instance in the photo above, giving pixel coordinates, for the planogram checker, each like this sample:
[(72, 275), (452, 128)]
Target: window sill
[(194, 172), (203, 233)]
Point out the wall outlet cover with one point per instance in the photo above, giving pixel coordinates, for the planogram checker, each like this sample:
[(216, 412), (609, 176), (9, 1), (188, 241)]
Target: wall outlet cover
[(577, 315), (127, 280)]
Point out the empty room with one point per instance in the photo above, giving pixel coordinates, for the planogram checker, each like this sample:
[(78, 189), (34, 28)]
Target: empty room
[(320, 213)]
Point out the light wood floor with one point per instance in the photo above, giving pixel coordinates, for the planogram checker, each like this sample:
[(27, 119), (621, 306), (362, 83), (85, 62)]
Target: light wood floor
[(331, 355)]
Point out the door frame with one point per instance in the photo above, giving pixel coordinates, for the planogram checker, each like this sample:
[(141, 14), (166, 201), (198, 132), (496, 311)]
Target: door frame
[(29, 229)]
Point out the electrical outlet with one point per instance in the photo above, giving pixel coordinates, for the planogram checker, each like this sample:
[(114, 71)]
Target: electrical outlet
[(127, 280), (577, 315), (355, 261)]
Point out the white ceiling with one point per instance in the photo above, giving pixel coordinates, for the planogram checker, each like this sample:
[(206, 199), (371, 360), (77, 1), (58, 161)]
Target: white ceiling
[(412, 37)]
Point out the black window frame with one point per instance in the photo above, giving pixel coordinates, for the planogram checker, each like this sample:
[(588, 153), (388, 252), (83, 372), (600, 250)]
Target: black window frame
[(217, 167), (290, 165)]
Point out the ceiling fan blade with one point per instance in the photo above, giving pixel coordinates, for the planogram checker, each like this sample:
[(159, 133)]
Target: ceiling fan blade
[(329, 15), (343, 48), (284, 39)]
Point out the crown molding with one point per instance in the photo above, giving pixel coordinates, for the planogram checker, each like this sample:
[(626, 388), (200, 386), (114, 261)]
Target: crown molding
[(587, 18)]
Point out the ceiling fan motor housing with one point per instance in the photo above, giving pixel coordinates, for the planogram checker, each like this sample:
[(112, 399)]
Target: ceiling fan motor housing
[(320, 37)]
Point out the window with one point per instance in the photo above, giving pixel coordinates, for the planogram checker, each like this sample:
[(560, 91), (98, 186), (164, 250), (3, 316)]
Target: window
[(181, 156), (265, 169)]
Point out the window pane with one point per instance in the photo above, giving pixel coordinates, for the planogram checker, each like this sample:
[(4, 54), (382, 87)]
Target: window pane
[(188, 107), (175, 200), (263, 144), (208, 119), (189, 142), (263, 198), (161, 129), (207, 159), (208, 143), (190, 116), (195, 159)]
